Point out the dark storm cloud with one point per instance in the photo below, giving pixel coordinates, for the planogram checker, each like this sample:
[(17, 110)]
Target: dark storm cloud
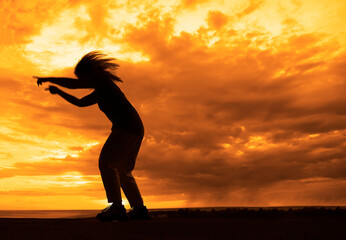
[(230, 116)]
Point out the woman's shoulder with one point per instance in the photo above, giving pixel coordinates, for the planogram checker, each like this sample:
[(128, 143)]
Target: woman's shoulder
[(108, 86)]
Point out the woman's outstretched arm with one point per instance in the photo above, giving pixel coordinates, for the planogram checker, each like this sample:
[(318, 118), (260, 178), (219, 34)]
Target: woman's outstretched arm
[(71, 83), (83, 102)]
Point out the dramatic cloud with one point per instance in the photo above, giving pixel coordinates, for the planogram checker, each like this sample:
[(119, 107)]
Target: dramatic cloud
[(243, 103)]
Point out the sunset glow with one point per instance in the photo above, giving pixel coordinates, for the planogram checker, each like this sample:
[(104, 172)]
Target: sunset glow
[(243, 102)]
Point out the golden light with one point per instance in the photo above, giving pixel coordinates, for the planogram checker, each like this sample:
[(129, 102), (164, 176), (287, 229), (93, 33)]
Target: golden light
[(220, 60)]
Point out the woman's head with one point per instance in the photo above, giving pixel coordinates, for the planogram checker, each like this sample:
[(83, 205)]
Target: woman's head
[(95, 64)]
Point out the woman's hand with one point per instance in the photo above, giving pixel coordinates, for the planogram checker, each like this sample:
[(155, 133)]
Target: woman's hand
[(53, 89), (40, 80)]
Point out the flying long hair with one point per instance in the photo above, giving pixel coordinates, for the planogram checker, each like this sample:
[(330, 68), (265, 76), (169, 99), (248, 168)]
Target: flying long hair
[(97, 62)]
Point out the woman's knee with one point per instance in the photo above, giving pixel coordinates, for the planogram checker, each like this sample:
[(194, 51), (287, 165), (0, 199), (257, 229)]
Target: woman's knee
[(126, 176), (105, 163), (101, 165)]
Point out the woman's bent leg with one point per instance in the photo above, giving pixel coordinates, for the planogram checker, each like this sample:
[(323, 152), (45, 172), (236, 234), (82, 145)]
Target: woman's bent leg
[(110, 158), (127, 181), (111, 183), (130, 188)]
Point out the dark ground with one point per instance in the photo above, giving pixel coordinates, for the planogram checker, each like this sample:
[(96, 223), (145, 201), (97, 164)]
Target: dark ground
[(239, 224)]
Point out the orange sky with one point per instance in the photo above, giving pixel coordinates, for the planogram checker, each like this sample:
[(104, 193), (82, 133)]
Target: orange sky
[(243, 102)]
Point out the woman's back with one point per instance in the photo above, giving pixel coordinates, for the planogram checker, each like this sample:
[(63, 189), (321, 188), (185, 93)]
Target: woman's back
[(112, 101)]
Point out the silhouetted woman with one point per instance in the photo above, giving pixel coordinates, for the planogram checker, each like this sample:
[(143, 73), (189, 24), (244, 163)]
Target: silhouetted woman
[(118, 155)]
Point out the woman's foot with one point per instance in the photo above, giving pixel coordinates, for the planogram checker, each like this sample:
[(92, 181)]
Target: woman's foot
[(139, 213), (113, 213)]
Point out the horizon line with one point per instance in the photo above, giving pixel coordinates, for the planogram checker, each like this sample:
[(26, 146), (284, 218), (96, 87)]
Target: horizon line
[(177, 208)]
